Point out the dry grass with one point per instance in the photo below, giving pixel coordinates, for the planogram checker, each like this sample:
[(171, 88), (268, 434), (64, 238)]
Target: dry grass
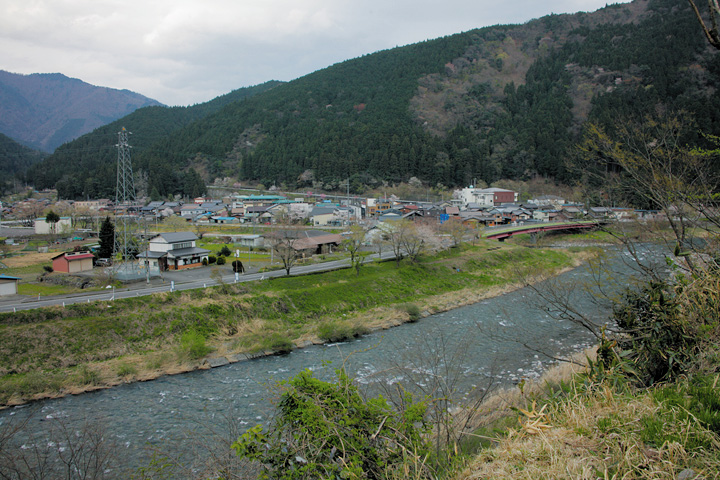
[(29, 259), (591, 436)]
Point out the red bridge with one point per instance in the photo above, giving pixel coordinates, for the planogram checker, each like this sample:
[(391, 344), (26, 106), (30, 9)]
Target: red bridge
[(501, 233)]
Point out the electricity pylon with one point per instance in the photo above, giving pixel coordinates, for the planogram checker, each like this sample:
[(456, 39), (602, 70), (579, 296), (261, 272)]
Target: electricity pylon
[(126, 224)]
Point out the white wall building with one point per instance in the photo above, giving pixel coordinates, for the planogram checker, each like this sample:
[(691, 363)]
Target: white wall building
[(42, 227), (485, 197)]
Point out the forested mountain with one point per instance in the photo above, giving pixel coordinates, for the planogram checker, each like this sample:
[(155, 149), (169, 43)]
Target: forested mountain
[(95, 154), (498, 102), (46, 110), (15, 159)]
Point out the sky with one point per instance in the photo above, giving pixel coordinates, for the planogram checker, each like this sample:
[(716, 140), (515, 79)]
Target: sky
[(184, 52)]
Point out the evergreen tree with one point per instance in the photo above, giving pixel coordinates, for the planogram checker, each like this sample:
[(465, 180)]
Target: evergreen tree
[(107, 239), (52, 218)]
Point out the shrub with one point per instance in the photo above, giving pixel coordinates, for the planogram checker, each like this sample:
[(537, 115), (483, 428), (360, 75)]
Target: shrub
[(205, 262), (48, 268), (87, 376), (192, 345), (660, 340), (126, 370), (212, 259), (413, 312), (225, 251), (278, 344), (221, 261), (340, 332), (328, 430)]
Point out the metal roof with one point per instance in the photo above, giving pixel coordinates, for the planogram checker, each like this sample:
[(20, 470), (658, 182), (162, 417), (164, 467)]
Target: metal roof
[(175, 237), (184, 252)]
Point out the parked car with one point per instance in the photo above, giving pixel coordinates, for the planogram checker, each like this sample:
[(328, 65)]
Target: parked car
[(103, 262)]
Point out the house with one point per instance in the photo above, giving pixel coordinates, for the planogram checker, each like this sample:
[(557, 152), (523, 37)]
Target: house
[(64, 225), (309, 242), (224, 220), (624, 214), (484, 196), (8, 285), (542, 215), (474, 219), (258, 214), (390, 215), (377, 207), (73, 262), (549, 200), (173, 251), (95, 205), (452, 211), (322, 215), (249, 240), (573, 211), (599, 212), (191, 210)]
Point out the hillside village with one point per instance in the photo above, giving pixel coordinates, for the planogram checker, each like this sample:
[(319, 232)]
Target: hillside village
[(474, 207), (168, 232)]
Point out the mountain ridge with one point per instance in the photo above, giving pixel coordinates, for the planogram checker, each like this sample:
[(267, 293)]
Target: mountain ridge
[(507, 101), (45, 110)]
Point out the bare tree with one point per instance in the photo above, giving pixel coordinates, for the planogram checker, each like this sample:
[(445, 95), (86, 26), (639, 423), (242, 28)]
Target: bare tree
[(391, 235), (711, 32), (353, 244), (650, 161), (437, 373), (286, 243), (456, 230), (60, 452)]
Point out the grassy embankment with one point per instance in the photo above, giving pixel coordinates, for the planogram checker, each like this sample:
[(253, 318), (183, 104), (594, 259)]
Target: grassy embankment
[(52, 351), (583, 429)]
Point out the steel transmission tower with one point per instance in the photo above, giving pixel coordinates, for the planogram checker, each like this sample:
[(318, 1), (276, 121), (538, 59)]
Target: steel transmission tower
[(126, 224)]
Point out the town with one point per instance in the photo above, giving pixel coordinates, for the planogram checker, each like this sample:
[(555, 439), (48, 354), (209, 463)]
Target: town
[(167, 231)]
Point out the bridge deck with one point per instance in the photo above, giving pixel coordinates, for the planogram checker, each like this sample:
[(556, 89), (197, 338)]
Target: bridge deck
[(503, 233)]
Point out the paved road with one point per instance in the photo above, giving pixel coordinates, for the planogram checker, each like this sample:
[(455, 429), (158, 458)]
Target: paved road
[(193, 279)]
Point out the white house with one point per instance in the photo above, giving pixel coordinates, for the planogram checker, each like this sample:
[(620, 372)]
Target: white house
[(44, 228), (8, 285), (485, 197), (322, 215), (173, 251)]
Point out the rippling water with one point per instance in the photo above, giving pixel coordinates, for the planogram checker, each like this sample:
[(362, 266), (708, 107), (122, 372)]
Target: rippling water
[(476, 345)]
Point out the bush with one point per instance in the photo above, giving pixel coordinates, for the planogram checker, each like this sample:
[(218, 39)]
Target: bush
[(87, 376), (205, 262), (193, 345), (225, 251), (126, 370), (48, 268), (212, 259), (413, 312), (278, 344), (340, 332), (221, 261), (659, 340), (328, 430)]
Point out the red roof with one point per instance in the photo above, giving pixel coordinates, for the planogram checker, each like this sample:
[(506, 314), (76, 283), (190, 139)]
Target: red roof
[(74, 256)]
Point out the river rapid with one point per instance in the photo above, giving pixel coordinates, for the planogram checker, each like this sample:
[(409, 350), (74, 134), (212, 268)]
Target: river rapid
[(498, 341)]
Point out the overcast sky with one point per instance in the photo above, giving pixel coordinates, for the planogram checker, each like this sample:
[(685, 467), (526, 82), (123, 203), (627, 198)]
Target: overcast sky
[(182, 52)]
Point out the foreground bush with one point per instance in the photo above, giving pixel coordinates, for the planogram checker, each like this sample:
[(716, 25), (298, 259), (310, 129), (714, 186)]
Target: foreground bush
[(666, 326), (327, 430)]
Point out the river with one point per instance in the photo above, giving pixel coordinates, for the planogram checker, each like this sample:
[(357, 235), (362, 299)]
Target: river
[(473, 347)]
